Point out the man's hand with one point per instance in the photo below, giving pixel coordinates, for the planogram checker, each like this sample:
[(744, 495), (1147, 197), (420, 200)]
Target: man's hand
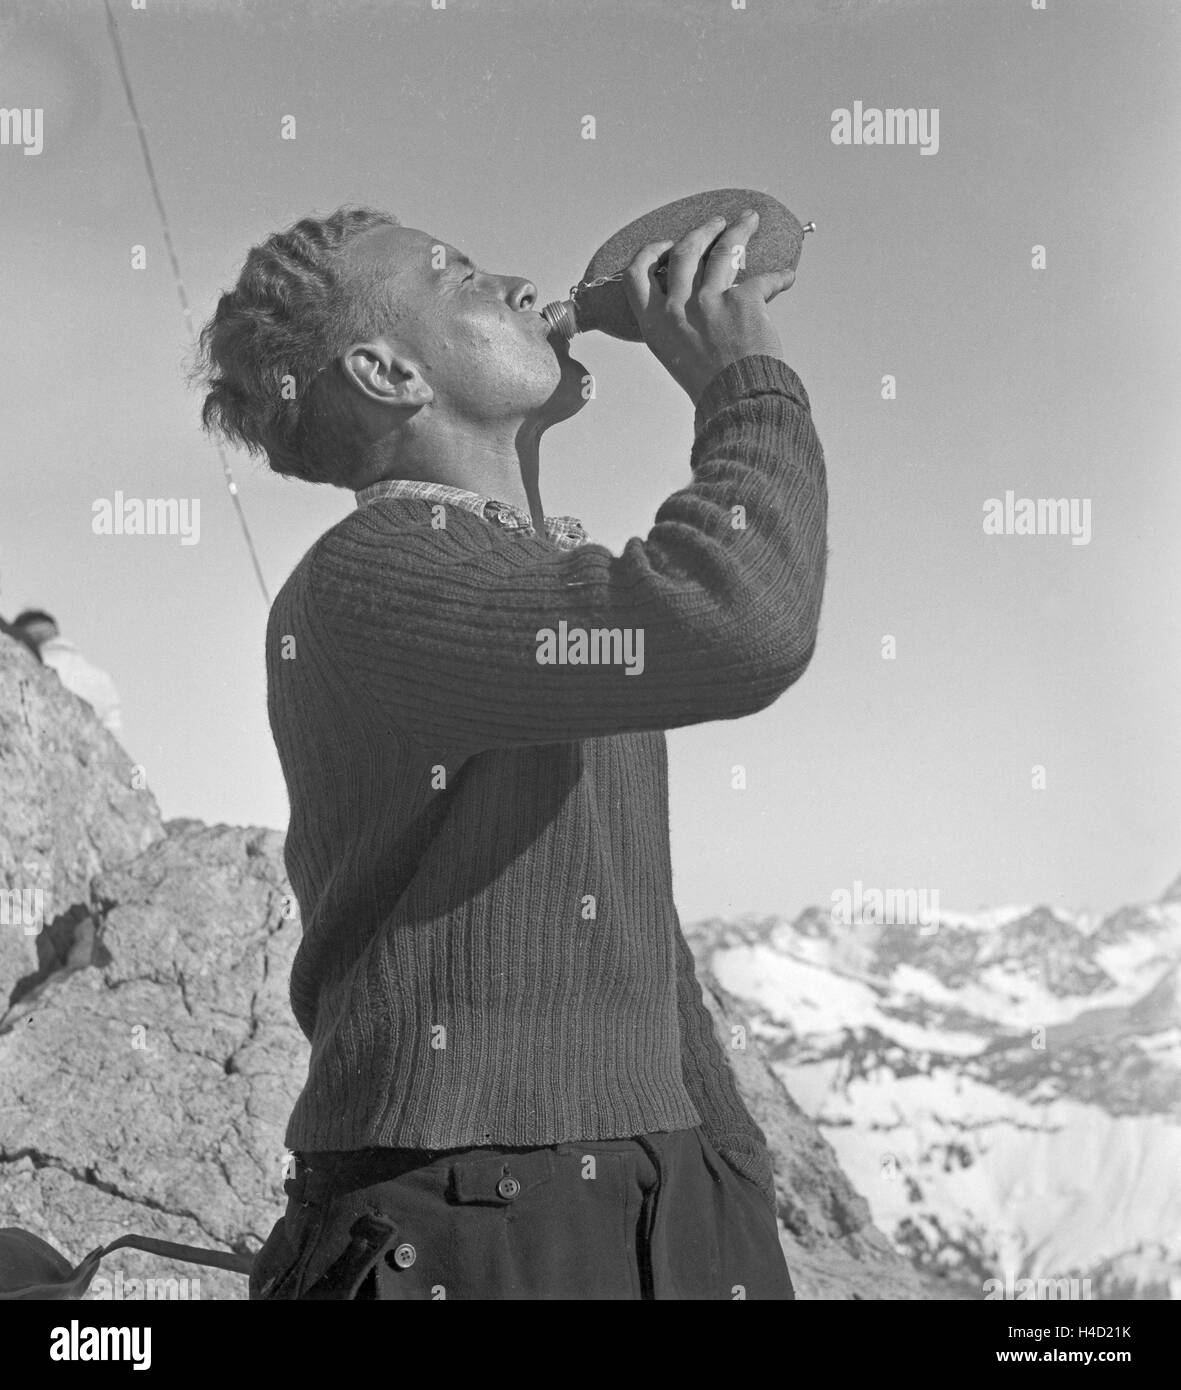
[(704, 321)]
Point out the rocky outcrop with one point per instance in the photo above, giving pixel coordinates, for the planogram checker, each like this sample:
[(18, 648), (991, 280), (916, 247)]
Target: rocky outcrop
[(70, 810), (149, 1059), (149, 1091)]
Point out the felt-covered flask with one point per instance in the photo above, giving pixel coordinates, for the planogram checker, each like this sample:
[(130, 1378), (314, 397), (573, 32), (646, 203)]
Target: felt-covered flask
[(599, 299)]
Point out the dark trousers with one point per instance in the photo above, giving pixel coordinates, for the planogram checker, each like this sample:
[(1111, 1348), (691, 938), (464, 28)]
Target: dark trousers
[(661, 1216)]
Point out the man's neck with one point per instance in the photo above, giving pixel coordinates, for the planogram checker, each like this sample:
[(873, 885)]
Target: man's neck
[(505, 469), (529, 463)]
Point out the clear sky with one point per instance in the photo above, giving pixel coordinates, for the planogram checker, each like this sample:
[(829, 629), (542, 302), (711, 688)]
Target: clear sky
[(1057, 128)]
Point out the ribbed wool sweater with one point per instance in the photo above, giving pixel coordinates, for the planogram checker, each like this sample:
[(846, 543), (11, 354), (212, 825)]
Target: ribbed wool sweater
[(479, 842)]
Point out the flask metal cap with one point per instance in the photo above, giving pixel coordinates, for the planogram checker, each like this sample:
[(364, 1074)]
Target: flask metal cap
[(560, 317)]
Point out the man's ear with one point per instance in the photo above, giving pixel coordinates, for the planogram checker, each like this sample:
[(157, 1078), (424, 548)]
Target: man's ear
[(385, 377)]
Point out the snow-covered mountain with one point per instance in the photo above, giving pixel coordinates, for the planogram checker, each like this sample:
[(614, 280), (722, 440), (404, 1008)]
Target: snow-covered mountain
[(1003, 1088)]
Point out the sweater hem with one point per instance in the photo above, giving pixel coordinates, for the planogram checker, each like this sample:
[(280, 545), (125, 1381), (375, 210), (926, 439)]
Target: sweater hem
[(305, 1138)]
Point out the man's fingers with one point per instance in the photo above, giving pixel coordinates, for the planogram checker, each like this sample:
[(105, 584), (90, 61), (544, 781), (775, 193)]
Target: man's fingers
[(727, 255), (637, 278), (767, 285), (684, 260)]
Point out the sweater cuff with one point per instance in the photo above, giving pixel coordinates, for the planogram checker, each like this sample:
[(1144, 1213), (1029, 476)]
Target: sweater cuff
[(756, 375)]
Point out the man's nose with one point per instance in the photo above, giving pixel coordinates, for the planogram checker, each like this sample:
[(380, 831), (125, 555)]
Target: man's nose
[(522, 294)]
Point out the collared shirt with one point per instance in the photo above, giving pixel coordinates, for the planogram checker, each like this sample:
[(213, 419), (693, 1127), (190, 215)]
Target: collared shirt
[(566, 532)]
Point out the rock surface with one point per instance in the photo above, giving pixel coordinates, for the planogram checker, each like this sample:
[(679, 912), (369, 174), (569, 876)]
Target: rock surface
[(69, 811), (147, 1072), (149, 1091)]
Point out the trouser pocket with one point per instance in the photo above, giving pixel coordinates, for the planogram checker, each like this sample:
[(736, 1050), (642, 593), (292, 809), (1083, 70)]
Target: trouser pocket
[(714, 1236), (279, 1265), (552, 1224)]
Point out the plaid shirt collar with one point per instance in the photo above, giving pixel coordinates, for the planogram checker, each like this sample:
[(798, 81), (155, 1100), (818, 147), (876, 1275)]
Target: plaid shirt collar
[(566, 532)]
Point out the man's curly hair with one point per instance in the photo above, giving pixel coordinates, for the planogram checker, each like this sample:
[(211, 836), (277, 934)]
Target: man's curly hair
[(264, 352)]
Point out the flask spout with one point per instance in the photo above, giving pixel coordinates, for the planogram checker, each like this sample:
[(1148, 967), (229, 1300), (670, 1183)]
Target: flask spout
[(560, 317)]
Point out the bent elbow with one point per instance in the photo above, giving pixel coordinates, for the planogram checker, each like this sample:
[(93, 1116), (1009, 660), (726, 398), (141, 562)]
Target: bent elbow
[(777, 669)]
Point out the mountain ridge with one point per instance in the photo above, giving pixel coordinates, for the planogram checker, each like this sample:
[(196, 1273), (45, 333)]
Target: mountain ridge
[(968, 1073)]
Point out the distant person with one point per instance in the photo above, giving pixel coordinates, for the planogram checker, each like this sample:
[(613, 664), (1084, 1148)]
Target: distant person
[(11, 630), (17, 635), (87, 681)]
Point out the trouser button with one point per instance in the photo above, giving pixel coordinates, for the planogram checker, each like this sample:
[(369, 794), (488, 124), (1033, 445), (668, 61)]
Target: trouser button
[(405, 1255), (508, 1188)]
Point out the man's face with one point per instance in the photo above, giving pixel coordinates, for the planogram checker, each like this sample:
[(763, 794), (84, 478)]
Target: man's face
[(478, 338)]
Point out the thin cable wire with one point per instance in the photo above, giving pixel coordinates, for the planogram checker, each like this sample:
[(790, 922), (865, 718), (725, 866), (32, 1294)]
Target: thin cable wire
[(231, 485)]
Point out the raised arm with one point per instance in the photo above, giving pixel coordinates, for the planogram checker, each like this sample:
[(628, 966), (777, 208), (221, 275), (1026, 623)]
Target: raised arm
[(720, 603)]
